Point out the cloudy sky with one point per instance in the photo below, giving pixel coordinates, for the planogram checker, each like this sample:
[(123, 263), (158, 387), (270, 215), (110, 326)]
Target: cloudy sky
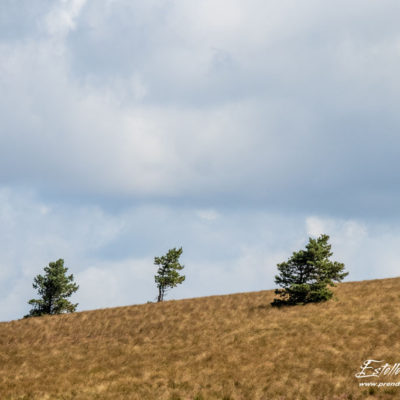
[(236, 129)]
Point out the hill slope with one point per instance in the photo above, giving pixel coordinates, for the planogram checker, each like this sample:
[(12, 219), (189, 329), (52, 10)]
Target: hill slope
[(221, 347)]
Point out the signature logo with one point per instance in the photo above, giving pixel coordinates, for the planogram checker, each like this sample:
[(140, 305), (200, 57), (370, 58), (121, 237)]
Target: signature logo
[(378, 368)]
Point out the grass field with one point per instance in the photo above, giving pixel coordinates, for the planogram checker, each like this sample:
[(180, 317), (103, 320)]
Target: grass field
[(220, 347)]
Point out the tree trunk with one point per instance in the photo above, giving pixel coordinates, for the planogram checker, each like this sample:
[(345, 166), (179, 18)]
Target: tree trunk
[(160, 294)]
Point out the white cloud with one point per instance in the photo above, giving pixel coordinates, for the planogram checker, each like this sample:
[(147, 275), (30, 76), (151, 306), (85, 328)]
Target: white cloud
[(31, 238), (62, 17), (232, 128), (208, 214), (169, 99), (116, 283), (368, 249), (111, 253), (315, 226)]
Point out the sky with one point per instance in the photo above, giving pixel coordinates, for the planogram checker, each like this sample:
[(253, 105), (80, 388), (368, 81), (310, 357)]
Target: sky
[(235, 129)]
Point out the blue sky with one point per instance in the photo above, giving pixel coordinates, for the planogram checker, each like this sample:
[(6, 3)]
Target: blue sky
[(234, 129)]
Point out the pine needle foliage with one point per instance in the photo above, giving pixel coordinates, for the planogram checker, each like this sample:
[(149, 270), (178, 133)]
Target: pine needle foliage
[(167, 275), (54, 289), (307, 275)]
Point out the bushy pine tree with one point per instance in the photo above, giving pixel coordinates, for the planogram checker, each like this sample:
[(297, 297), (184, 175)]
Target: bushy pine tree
[(54, 288), (307, 275), (167, 274)]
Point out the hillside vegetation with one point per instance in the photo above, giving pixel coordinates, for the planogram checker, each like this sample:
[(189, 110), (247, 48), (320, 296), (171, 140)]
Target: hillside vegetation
[(220, 347)]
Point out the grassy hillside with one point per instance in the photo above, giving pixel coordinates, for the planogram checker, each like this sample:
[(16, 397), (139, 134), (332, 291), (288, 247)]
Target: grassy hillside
[(221, 347)]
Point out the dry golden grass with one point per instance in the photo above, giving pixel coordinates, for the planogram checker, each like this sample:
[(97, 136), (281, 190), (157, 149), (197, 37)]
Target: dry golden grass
[(221, 347)]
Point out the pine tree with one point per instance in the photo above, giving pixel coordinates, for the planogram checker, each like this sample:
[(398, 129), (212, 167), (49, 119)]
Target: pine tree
[(305, 277), (167, 274), (54, 287)]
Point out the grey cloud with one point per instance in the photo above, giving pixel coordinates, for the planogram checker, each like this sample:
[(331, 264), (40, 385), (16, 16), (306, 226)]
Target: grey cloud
[(266, 104), (21, 20), (130, 117)]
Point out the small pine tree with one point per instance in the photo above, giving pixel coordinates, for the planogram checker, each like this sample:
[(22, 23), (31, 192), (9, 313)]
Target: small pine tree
[(167, 274), (54, 287), (305, 277)]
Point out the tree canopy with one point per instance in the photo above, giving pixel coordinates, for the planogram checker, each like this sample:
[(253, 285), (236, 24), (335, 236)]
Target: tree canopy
[(305, 277), (54, 288), (168, 272)]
